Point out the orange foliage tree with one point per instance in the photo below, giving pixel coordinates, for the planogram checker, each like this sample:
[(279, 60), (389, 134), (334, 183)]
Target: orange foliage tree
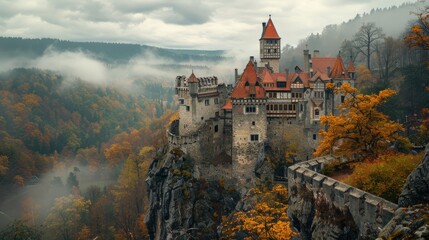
[(418, 35), (360, 129), (266, 220)]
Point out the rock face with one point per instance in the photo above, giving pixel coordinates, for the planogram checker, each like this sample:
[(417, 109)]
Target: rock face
[(408, 223), (317, 218), (183, 205), (411, 220), (416, 189)]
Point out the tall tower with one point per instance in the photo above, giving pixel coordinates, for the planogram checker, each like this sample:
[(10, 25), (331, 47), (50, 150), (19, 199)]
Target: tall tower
[(270, 46)]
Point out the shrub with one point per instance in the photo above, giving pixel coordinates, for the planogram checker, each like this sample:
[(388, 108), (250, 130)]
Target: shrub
[(385, 176)]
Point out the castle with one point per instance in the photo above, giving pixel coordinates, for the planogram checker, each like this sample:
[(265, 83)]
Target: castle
[(229, 126)]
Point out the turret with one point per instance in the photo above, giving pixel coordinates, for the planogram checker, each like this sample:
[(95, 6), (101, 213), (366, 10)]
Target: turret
[(193, 85), (270, 46)]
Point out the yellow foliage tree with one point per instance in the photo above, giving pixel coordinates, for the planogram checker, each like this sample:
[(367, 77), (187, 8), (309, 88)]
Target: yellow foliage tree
[(360, 129), (418, 35), (64, 219), (364, 77), (266, 220)]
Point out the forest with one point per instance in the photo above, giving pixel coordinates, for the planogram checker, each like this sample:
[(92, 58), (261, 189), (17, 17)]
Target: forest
[(70, 140), (74, 155)]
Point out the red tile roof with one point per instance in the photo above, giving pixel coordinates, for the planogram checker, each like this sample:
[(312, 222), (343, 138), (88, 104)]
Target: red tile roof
[(339, 70), (322, 63), (228, 105), (266, 76), (192, 79), (248, 84), (305, 77), (270, 31), (321, 75)]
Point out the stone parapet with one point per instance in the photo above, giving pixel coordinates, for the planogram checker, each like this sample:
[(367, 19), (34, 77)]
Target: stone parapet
[(370, 213)]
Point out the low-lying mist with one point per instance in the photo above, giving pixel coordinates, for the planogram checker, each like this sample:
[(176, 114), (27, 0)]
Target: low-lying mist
[(147, 67)]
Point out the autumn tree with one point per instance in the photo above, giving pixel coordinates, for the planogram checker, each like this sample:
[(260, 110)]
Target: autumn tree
[(365, 39), (364, 79), (267, 219), (18, 230), (65, 217), (418, 34), (359, 130), (129, 193)]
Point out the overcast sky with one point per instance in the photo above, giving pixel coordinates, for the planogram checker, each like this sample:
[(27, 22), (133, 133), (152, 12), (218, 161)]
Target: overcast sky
[(192, 24)]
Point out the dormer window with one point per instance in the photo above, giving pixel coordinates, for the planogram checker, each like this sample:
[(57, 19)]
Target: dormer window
[(246, 84)]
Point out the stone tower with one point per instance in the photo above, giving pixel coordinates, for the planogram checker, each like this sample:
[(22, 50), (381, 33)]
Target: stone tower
[(249, 121), (269, 45)]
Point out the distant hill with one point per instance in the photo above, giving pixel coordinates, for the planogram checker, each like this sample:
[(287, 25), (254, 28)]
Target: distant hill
[(106, 52), (394, 22)]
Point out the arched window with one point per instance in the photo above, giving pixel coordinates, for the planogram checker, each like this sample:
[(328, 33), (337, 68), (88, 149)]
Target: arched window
[(316, 112)]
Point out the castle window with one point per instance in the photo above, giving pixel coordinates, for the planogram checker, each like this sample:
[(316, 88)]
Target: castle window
[(216, 128), (254, 137), (250, 109), (342, 99), (276, 107), (316, 112), (207, 102), (188, 108), (281, 84), (181, 101), (216, 100), (253, 123), (314, 136), (252, 95)]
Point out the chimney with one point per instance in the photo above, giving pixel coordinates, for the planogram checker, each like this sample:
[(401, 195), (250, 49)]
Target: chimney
[(306, 60), (252, 59), (287, 72), (255, 65), (263, 27), (316, 53), (328, 71), (236, 73)]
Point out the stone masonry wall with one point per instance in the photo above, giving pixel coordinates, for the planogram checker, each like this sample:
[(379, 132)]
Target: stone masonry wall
[(244, 151), (369, 213)]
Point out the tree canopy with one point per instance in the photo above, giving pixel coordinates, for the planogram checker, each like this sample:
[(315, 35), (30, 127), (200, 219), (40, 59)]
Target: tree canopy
[(360, 129)]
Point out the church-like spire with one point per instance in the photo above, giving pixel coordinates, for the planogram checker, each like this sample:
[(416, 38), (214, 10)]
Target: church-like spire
[(270, 31)]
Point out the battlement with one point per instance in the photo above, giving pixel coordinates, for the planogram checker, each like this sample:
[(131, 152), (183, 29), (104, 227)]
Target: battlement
[(370, 213)]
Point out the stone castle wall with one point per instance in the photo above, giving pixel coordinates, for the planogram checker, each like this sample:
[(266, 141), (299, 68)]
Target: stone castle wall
[(369, 213), (245, 151)]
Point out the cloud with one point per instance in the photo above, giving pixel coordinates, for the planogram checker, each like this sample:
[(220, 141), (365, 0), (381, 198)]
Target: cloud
[(217, 24)]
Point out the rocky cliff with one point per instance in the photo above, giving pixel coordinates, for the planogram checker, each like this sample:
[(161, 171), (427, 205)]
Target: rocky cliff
[(411, 220), (183, 204)]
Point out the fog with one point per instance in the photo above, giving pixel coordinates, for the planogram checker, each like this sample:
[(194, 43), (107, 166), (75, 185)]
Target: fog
[(36, 199), (146, 67)]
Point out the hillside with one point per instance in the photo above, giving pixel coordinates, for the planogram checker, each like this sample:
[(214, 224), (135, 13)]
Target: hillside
[(106, 52), (44, 114), (393, 21)]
